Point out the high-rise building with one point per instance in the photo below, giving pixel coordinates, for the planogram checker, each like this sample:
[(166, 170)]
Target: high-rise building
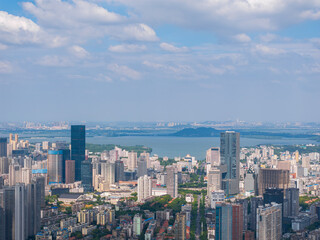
[(223, 221), (4, 165), (146, 157), (137, 225), (132, 161), (3, 147), (70, 171), (119, 171), (269, 222), (255, 202), (229, 221), (272, 178), (55, 159), (144, 188), (292, 195), (65, 156), (229, 161), (7, 213), (86, 175), (180, 226), (213, 156), (78, 147), (172, 181), (40, 185), (214, 180), (32, 210), (108, 172), (142, 168), (20, 212), (237, 221)]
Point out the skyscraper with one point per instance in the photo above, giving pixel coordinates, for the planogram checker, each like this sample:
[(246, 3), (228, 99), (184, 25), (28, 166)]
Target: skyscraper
[(237, 221), (32, 212), (70, 171), (20, 212), (3, 147), (86, 175), (213, 156), (273, 178), (172, 181), (292, 195), (132, 161), (40, 185), (269, 222), (108, 172), (142, 168), (144, 188), (230, 157), (119, 171), (78, 146), (7, 212), (55, 159), (214, 180), (65, 157), (223, 221)]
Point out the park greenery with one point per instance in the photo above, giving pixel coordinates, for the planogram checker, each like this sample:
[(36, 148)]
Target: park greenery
[(102, 147), (306, 201), (193, 224)]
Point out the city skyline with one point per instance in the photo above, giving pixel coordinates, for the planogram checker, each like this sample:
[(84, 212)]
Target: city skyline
[(169, 61)]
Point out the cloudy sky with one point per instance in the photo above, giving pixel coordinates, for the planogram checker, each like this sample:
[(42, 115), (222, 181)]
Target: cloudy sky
[(160, 60)]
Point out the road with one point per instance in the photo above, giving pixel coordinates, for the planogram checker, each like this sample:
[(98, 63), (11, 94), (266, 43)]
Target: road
[(198, 229)]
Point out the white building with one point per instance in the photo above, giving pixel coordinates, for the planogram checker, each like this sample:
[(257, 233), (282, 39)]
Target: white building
[(215, 197), (137, 225), (144, 188)]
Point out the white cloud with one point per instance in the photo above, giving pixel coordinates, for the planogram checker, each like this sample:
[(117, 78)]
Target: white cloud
[(76, 13), (79, 20), (5, 67), (171, 48), (78, 51), (268, 37), (124, 71), (3, 47), (266, 50), (140, 32), (127, 48), (224, 17), (54, 61), (311, 14), (244, 38), (103, 78), (14, 29)]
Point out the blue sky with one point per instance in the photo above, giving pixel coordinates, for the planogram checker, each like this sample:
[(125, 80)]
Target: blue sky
[(159, 60)]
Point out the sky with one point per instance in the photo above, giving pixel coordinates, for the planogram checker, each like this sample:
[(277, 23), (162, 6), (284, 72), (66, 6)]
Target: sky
[(159, 60)]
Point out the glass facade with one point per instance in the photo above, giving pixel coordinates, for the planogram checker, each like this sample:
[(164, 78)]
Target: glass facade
[(78, 146)]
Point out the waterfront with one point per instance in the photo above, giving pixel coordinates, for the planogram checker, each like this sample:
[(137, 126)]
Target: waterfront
[(162, 146)]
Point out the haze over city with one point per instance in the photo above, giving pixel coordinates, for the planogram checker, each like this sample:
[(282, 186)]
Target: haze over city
[(161, 60)]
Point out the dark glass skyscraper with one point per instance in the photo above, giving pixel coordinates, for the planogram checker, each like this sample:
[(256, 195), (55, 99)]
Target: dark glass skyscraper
[(78, 146), (3, 147), (230, 158), (86, 175)]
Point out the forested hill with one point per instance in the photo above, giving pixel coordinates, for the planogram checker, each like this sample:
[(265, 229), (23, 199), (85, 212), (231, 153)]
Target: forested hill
[(197, 132)]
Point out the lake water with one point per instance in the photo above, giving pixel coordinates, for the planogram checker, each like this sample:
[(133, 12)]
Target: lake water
[(181, 146), (167, 146)]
